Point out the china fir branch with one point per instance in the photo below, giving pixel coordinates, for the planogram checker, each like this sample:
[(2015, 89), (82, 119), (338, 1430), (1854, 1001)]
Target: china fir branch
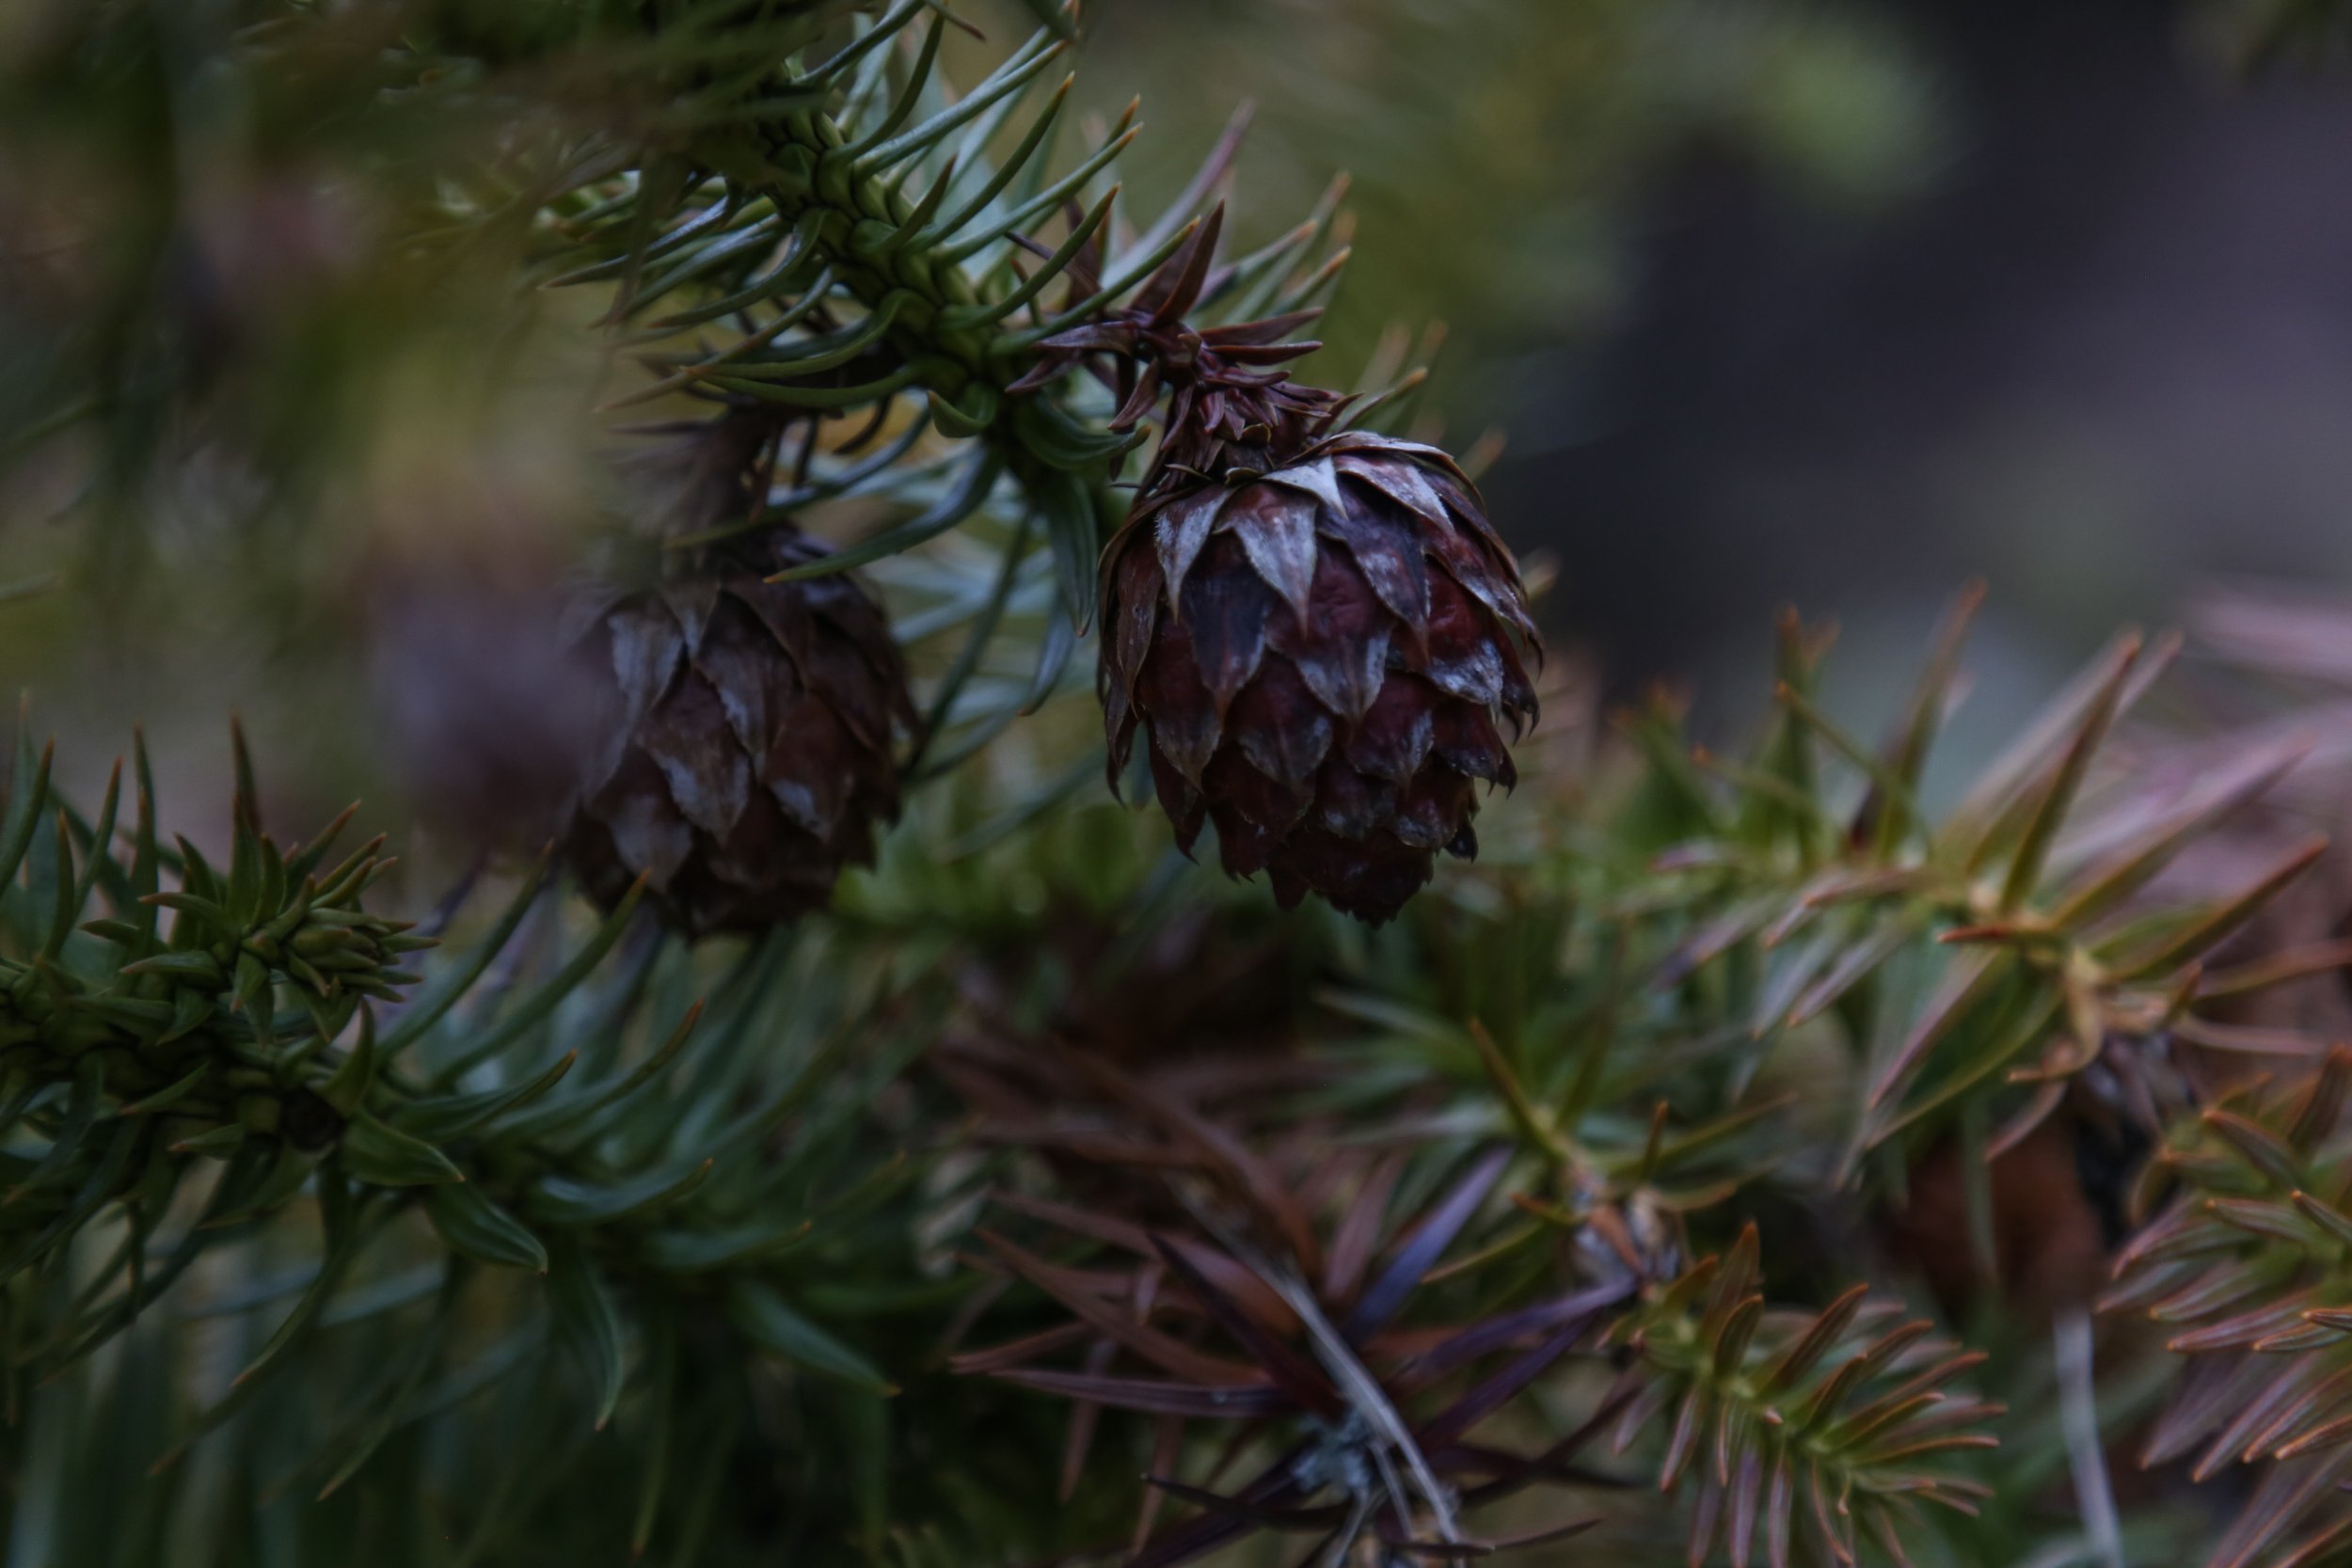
[(2246, 1269), (1229, 1270), (1830, 1427), (863, 180), (1981, 959), (206, 1058)]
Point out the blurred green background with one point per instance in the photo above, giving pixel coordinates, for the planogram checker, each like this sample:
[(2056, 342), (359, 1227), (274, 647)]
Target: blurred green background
[(1836, 302)]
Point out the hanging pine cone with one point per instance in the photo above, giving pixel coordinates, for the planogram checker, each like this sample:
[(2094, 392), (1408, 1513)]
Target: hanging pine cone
[(1317, 631), (1318, 657), (746, 757)]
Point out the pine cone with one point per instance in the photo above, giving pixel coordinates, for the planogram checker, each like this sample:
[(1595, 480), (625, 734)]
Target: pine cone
[(1318, 655), (747, 755)]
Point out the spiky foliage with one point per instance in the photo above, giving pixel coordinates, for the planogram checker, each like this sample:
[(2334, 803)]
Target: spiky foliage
[(2246, 1269), (1824, 1423), (542, 1184), (1298, 1342), (136, 1051), (1359, 1411), (2021, 947), (1566, 1100), (852, 221), (1712, 931), (567, 1233), (1535, 1125)]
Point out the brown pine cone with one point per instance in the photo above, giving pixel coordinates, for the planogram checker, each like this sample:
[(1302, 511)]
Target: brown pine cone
[(1318, 655), (747, 754)]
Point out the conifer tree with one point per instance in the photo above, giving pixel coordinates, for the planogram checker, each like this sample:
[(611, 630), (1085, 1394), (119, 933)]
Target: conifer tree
[(833, 1119)]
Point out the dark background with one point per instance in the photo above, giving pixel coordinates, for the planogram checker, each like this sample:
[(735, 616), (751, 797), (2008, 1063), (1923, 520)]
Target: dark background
[(2109, 353)]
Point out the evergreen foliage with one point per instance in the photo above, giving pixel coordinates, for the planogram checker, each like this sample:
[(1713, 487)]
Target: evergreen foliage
[(1038, 1196)]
